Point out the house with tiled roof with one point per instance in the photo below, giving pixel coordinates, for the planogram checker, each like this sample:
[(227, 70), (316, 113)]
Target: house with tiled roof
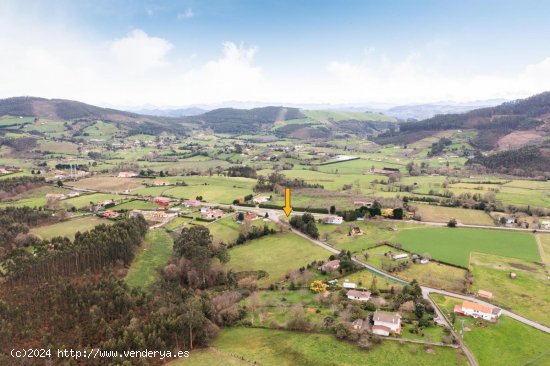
[(358, 295), (386, 323), (475, 310)]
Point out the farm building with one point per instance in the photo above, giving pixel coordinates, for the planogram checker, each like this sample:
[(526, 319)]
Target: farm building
[(260, 199), (110, 214), (330, 266), (192, 203), (476, 310), (358, 295), (55, 196), (250, 216), (211, 214), (363, 203), (398, 256), (127, 175), (162, 201), (348, 284), (485, 294), (160, 183), (386, 323), (545, 225), (336, 220)]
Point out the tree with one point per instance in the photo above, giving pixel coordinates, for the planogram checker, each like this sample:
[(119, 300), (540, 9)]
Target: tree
[(318, 286), (332, 210), (59, 183), (452, 223)]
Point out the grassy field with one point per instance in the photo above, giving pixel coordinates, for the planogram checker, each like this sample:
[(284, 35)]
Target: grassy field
[(462, 215), (454, 245), (276, 254), (154, 253), (364, 279), (226, 229), (528, 294), (432, 274), (508, 342), (281, 348), (33, 198), (136, 205), (107, 183), (85, 199), (543, 241), (70, 227), (340, 115), (212, 189)]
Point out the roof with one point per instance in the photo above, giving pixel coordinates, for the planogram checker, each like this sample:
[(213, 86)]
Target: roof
[(496, 311), (356, 293), (381, 327), (358, 322), (475, 306), (380, 316), (484, 293), (331, 264)]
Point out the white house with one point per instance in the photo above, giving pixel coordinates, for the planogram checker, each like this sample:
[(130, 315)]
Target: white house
[(260, 199), (336, 220), (192, 203), (358, 295), (330, 266), (386, 323), (348, 284), (127, 175), (545, 225), (476, 310), (399, 256), (357, 324), (211, 214)]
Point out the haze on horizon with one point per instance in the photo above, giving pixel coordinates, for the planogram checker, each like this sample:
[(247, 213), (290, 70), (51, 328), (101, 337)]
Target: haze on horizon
[(177, 53)]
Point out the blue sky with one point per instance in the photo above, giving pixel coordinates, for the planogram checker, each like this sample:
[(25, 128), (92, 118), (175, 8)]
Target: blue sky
[(170, 53)]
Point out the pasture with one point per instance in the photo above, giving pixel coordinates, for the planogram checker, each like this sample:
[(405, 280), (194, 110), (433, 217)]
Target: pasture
[(154, 253), (282, 348), (107, 183), (70, 227), (528, 294), (454, 245), (434, 213), (276, 254), (507, 342)]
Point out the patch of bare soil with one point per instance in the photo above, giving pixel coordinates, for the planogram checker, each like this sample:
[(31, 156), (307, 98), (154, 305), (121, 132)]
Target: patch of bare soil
[(430, 351), (522, 266), (517, 139)]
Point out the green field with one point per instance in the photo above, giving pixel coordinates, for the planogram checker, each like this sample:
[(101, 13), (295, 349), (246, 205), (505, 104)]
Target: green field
[(444, 214), (282, 348), (70, 227), (432, 274), (85, 199), (136, 205), (276, 254), (508, 342), (454, 245), (154, 253), (528, 294), (320, 115)]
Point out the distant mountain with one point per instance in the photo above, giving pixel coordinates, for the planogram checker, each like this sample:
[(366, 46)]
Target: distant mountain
[(231, 120), (423, 111), (178, 112)]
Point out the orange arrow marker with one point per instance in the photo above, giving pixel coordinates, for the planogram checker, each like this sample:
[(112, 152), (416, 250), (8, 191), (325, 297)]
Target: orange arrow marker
[(287, 208)]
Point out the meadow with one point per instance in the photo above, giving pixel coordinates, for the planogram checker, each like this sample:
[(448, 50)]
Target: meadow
[(276, 254), (434, 213), (108, 183), (154, 253), (507, 342), (454, 245), (528, 294), (282, 348), (70, 227)]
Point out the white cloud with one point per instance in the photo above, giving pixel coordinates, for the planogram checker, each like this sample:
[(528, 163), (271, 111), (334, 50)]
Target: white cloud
[(138, 52), (188, 13)]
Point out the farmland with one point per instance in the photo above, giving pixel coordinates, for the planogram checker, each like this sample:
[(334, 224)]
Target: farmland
[(276, 254), (154, 253), (527, 294), (507, 342), (444, 214), (70, 227), (274, 348), (455, 245)]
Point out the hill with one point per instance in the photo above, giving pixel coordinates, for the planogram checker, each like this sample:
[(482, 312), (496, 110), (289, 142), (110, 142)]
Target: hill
[(510, 125)]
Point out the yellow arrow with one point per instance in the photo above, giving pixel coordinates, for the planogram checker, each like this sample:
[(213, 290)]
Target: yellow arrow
[(287, 209)]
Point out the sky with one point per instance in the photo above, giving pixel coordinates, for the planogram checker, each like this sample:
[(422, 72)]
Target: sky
[(189, 52)]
